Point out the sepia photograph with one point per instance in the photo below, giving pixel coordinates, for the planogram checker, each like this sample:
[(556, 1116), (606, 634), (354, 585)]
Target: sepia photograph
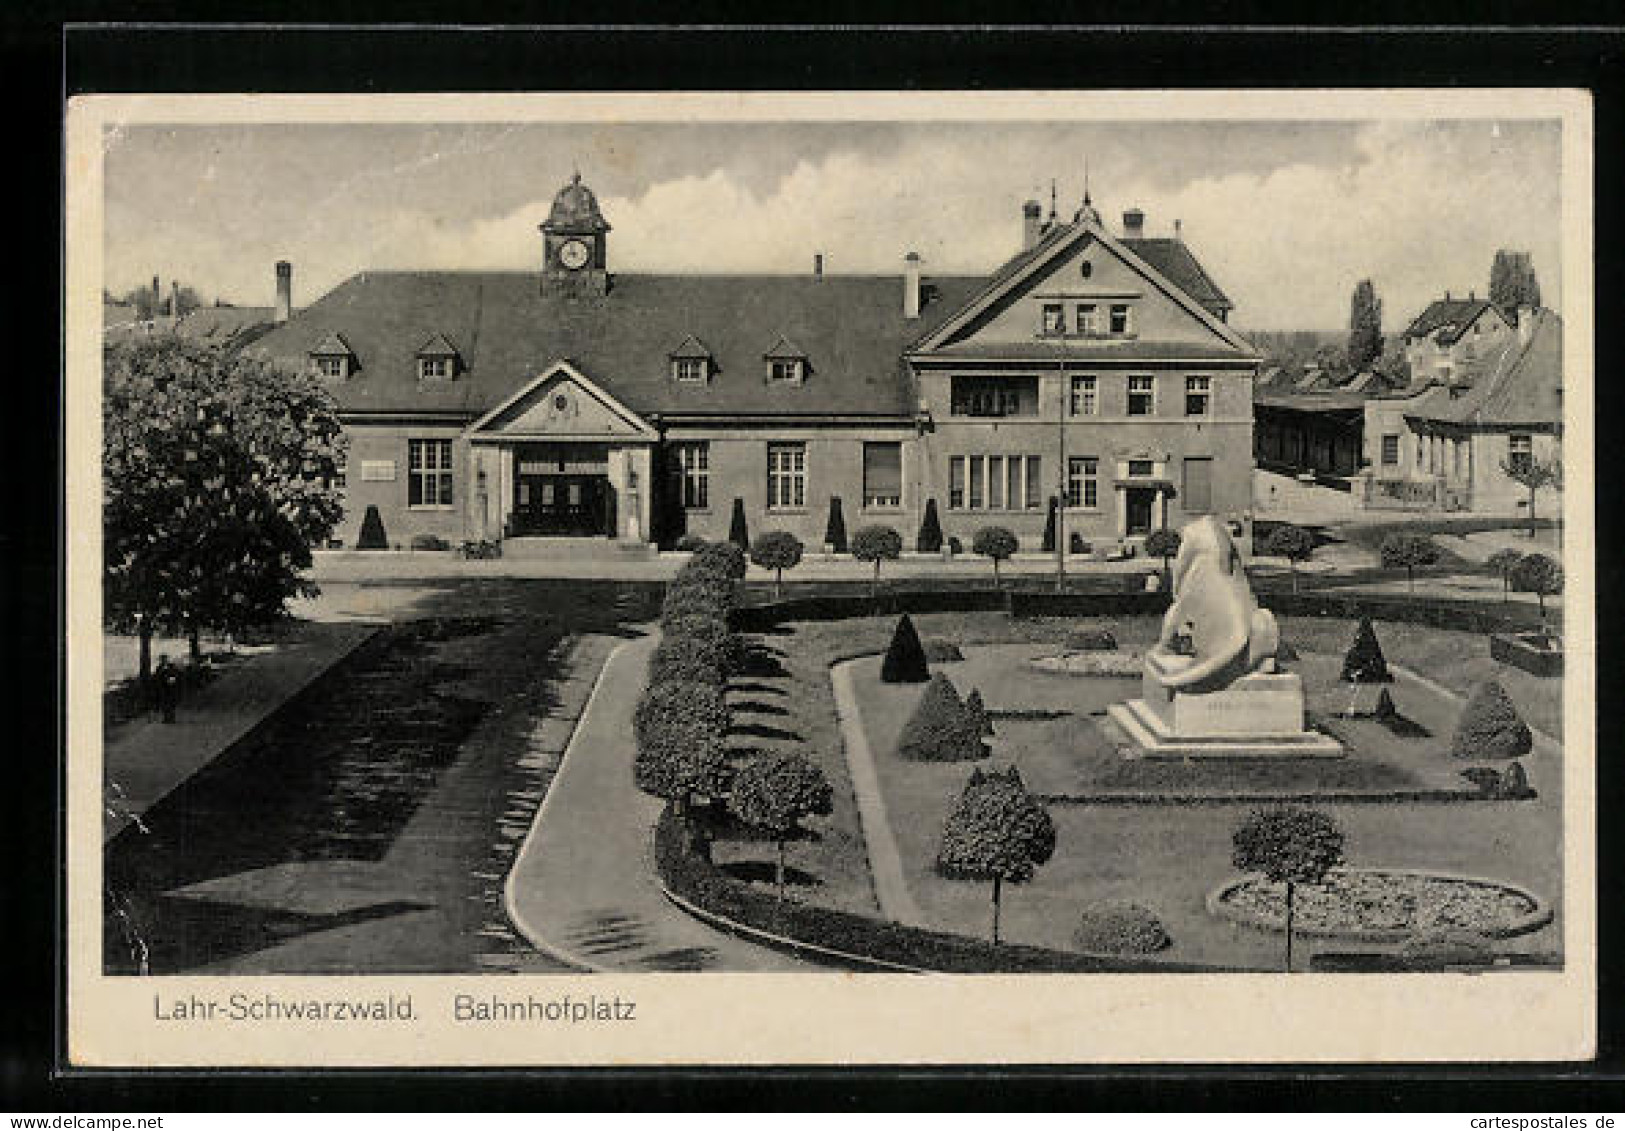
[(1138, 545)]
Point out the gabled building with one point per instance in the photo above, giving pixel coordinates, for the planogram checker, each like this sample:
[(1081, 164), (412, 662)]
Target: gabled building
[(580, 402), (1451, 336)]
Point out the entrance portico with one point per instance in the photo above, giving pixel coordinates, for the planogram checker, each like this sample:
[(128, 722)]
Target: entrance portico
[(562, 459)]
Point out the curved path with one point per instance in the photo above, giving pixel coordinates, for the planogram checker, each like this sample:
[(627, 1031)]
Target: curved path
[(583, 887)]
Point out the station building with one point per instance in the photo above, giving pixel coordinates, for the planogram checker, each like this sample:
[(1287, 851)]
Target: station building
[(576, 404)]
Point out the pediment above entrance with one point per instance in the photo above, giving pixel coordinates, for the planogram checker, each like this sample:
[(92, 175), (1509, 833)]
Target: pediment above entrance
[(561, 403)]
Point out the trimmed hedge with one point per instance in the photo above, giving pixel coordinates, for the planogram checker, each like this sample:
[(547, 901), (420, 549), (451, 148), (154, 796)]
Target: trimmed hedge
[(1490, 729), (1119, 927), (941, 729), (719, 559), (672, 703), (689, 659), (862, 942), (729, 644)]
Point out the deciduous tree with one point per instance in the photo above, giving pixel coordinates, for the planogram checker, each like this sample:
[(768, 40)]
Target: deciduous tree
[(1365, 327), (774, 794), (996, 544), (998, 831), (1538, 574), (1534, 475), (777, 550), (1291, 845), (1293, 543), (1409, 552), (877, 544)]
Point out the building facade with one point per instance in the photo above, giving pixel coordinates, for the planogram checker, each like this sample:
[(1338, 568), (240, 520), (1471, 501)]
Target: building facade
[(581, 403), (1452, 336)]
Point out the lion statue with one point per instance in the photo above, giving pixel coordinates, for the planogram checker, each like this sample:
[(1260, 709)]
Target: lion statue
[(1214, 632)]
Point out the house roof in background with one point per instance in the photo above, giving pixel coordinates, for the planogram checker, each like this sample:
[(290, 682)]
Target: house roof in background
[(1450, 318), (1523, 388)]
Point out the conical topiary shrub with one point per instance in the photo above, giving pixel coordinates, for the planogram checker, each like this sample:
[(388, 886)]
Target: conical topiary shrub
[(372, 531), (941, 729), (905, 660), (929, 540), (1514, 783), (1490, 727), (738, 531), (1364, 662), (835, 528), (1048, 544), (978, 713)]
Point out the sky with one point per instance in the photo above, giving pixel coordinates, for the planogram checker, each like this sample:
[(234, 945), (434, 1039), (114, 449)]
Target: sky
[(1287, 216)]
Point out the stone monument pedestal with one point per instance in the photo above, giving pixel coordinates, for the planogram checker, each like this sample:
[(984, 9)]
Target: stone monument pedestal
[(1258, 715)]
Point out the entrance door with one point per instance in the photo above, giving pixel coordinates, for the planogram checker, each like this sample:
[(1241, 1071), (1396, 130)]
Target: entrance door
[(561, 505), (1140, 500)]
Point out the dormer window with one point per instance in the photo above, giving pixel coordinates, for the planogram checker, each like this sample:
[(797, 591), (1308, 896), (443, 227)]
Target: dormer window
[(437, 359), (332, 359), (786, 363), (691, 362)]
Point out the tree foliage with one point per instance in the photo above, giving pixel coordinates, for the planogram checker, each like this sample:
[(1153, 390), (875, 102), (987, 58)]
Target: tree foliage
[(877, 544), (1291, 845), (995, 543), (1293, 543), (218, 474), (777, 550), (905, 660), (681, 733), (1501, 562), (942, 728), (1513, 283), (998, 831), (1365, 327), (1534, 476), (717, 559), (1490, 728), (1409, 552), (775, 793), (1539, 574), (150, 304), (929, 539)]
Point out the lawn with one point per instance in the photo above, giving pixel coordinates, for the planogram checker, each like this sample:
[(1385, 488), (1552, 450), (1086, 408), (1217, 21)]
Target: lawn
[(1170, 857)]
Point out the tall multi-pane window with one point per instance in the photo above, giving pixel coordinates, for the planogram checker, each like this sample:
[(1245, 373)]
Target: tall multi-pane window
[(1390, 450), (1141, 396), (1082, 481), (956, 483), (1520, 451), (693, 462), (786, 476), (989, 482), (1083, 396), (1198, 395), (883, 474), (1054, 318), (428, 480), (1034, 483)]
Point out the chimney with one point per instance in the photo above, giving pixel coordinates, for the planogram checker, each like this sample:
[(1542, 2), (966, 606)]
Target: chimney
[(818, 266), (284, 291), (1133, 224), (1472, 297), (1179, 230), (1447, 296), (174, 299), (157, 297), (1032, 224), (1526, 323), (911, 285)]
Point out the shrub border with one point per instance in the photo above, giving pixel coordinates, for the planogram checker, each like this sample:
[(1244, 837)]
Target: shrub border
[(693, 883), (1533, 921)]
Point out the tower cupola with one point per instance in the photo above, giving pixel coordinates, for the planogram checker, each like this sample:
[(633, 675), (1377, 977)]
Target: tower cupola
[(575, 243)]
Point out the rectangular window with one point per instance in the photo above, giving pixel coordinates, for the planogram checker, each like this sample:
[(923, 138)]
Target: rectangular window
[(1088, 319), (883, 474), (978, 475), (1390, 450), (785, 369), (1120, 318), (1520, 451), (1141, 396), (428, 473), (1197, 491), (786, 476), (1141, 468), (1083, 396), (689, 369), (1198, 395), (1054, 319), (333, 368), (1035, 483), (956, 483), (995, 483), (1015, 496), (1083, 481), (434, 368), (1002, 482), (693, 463), (993, 396)]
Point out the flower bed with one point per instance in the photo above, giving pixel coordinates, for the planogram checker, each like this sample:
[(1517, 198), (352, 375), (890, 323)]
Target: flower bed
[(1383, 905), (1091, 663)]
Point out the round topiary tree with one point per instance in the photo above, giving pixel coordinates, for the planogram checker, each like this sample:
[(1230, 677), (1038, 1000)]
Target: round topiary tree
[(941, 729), (835, 528), (1119, 927), (777, 550), (1293, 543), (774, 794), (682, 761), (1491, 728), (1163, 544), (1502, 563), (738, 530), (1409, 552), (929, 540), (1364, 661), (1538, 574), (905, 660), (998, 832), (1290, 845), (996, 544), (877, 544), (372, 531)]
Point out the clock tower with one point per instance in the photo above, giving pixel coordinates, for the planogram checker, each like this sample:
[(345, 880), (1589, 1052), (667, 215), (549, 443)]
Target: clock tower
[(575, 237)]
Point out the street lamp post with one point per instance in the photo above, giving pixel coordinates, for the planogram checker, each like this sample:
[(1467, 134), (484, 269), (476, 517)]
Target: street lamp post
[(1060, 495)]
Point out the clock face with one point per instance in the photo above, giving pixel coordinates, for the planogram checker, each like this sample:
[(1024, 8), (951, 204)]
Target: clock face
[(573, 255)]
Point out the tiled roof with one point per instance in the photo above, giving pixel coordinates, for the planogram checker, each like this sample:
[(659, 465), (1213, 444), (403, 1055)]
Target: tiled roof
[(437, 346), (1452, 316), (1522, 388), (692, 347), (332, 344), (1092, 349), (852, 328)]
